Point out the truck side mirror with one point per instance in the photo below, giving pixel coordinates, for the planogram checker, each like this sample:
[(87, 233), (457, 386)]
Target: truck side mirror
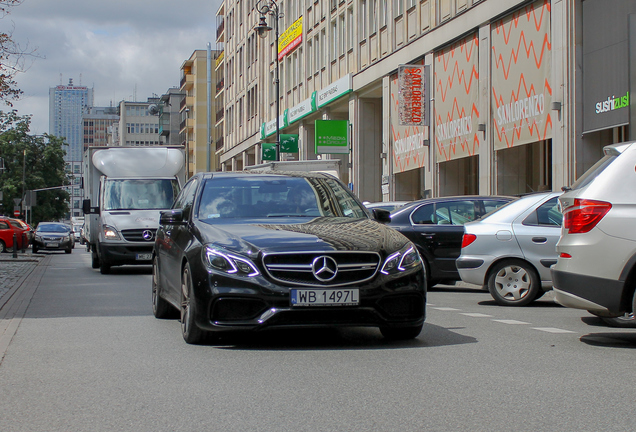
[(171, 217), (86, 206)]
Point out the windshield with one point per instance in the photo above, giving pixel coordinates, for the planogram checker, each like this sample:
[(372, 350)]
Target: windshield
[(139, 194), (57, 228), (263, 196)]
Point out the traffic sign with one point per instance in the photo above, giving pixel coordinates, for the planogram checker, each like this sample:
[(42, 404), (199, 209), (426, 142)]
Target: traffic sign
[(16, 213)]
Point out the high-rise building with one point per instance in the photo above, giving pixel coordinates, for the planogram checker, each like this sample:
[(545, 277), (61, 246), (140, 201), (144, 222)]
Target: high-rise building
[(68, 104)]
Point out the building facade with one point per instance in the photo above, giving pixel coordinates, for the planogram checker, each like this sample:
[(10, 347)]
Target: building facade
[(198, 107), (515, 92), (169, 120), (139, 123)]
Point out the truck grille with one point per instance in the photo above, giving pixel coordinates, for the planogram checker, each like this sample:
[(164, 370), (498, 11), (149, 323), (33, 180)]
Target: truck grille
[(322, 269), (140, 235)]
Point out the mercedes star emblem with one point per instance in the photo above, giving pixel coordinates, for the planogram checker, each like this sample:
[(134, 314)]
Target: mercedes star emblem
[(147, 235), (324, 268)]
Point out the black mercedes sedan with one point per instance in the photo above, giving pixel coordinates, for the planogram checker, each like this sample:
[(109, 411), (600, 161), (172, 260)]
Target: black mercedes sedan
[(256, 250)]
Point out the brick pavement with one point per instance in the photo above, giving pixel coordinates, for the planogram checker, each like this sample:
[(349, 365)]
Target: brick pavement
[(13, 271)]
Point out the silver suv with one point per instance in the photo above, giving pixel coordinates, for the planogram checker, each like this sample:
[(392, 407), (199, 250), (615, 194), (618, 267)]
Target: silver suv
[(596, 267)]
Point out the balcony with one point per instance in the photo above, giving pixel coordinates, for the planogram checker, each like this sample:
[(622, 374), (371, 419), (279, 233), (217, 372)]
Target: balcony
[(219, 31), (219, 144), (187, 82), (219, 115), (220, 85)]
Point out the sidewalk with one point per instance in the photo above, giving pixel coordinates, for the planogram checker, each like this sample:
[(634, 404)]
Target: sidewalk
[(19, 279), (14, 271)]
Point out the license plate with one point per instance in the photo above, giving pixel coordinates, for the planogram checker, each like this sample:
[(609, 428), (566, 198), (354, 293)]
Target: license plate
[(325, 297), (52, 244), (144, 256)]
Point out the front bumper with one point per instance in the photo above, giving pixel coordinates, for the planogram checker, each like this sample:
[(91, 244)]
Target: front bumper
[(122, 254), (51, 244), (222, 304)]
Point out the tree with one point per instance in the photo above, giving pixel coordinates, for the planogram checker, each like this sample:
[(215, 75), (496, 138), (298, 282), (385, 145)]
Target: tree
[(12, 58), (39, 161)]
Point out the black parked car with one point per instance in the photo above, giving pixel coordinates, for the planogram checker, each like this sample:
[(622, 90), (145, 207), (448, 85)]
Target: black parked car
[(436, 226), (53, 236), (254, 250)]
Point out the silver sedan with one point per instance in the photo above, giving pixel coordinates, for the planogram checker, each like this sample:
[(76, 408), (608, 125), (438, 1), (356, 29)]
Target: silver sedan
[(510, 250)]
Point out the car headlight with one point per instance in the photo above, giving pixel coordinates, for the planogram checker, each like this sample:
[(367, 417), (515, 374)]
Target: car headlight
[(402, 260), (66, 238), (38, 238), (221, 260), (110, 233)]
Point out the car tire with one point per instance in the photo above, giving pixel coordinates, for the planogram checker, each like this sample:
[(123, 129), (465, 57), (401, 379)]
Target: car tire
[(68, 251), (104, 267), (160, 308), (34, 249), (191, 333), (513, 283), (401, 333), (3, 247), (94, 259)]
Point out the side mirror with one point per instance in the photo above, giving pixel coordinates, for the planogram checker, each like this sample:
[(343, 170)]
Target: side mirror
[(87, 209), (171, 217), (381, 215)]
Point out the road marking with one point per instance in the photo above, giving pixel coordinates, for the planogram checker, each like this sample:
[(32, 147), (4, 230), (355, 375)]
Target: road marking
[(552, 330), (63, 268), (476, 315), (507, 321), (446, 309)]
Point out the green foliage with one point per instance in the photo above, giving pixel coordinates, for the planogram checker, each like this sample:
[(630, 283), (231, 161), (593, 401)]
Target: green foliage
[(39, 160)]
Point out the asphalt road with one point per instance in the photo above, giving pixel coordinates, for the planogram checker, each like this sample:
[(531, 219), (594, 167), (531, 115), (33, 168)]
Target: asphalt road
[(89, 356)]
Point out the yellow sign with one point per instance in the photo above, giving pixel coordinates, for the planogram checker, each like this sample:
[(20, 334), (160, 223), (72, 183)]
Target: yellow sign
[(290, 39)]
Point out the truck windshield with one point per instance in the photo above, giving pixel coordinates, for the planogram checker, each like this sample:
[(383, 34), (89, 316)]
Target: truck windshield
[(139, 194)]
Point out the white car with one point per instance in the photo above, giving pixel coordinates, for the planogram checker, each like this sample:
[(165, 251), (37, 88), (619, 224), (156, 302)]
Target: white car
[(596, 267)]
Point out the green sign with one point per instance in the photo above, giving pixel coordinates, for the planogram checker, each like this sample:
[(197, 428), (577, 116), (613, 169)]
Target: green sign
[(332, 136), (289, 143), (268, 151)]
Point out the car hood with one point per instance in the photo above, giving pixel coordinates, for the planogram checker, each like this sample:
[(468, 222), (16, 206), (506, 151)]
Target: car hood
[(298, 234), (52, 233)]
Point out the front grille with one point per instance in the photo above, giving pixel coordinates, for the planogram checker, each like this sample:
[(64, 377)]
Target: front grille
[(302, 268), (137, 235)]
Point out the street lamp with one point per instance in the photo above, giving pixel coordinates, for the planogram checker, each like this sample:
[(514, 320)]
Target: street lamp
[(270, 7)]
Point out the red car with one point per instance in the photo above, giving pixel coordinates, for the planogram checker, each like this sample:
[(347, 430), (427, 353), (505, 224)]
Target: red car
[(8, 227)]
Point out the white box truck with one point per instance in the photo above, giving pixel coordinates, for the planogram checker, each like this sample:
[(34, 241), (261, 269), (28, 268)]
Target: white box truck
[(125, 188)]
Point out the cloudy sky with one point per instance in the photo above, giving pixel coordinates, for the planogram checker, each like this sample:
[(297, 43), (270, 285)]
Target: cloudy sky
[(123, 49)]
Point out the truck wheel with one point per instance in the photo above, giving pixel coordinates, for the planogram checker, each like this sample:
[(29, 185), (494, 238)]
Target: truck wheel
[(95, 259), (104, 268)]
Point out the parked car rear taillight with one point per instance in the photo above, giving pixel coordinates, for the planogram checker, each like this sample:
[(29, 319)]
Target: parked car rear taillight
[(468, 239), (584, 214)]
